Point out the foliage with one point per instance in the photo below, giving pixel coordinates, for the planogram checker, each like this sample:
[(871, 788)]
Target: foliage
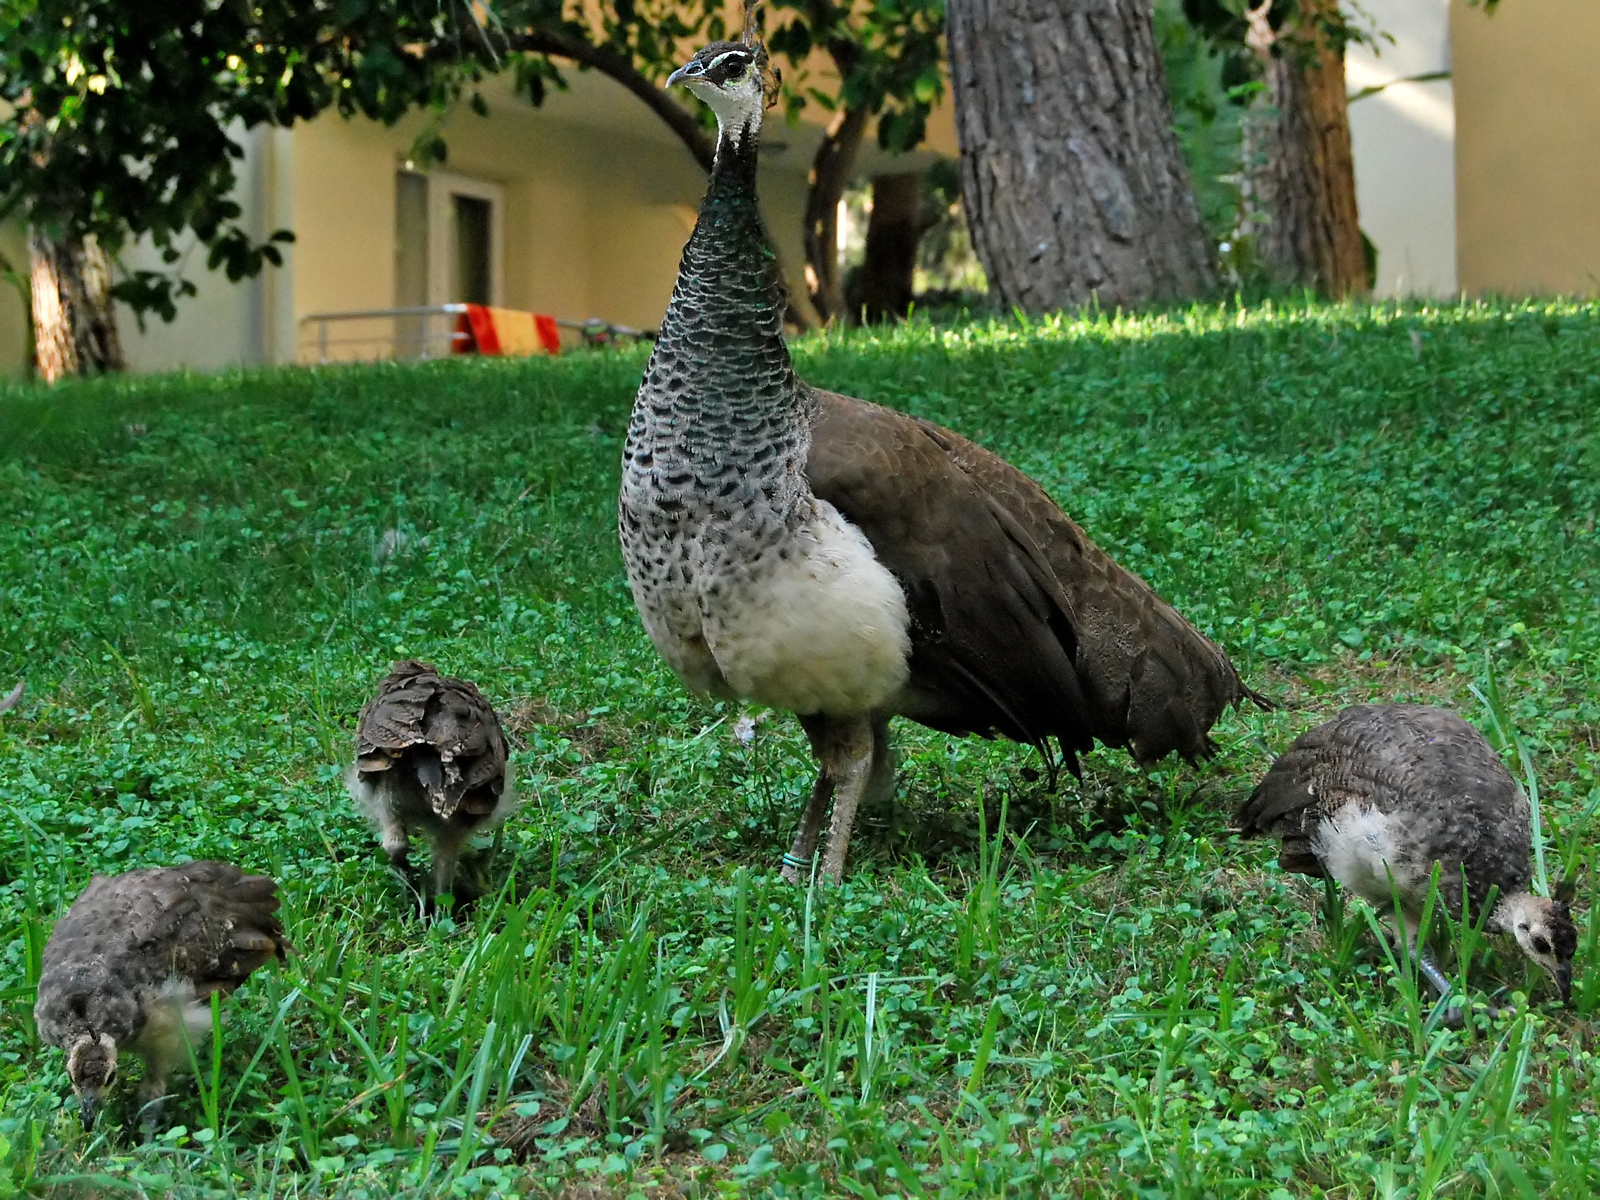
[(122, 116), (947, 264), (889, 57), (1210, 96), (1098, 993)]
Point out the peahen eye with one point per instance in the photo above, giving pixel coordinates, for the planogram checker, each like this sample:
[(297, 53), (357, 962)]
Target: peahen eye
[(1541, 946)]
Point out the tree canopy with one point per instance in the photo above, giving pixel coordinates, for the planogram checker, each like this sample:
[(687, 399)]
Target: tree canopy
[(125, 115), (122, 112)]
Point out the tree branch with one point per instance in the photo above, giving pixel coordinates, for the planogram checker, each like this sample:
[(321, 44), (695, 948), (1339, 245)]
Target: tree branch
[(831, 169), (573, 46)]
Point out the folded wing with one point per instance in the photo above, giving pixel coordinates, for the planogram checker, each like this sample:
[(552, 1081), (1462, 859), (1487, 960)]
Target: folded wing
[(1021, 625)]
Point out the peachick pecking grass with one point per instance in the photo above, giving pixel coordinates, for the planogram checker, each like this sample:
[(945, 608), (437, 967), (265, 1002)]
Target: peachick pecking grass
[(1097, 992)]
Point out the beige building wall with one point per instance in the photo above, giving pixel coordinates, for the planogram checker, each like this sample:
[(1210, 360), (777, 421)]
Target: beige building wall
[(343, 217), (1404, 142), (1527, 83), (597, 199)]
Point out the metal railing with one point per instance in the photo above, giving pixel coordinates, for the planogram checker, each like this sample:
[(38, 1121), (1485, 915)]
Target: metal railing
[(419, 332)]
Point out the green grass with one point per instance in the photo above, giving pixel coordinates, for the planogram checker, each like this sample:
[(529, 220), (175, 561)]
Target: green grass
[(1098, 992)]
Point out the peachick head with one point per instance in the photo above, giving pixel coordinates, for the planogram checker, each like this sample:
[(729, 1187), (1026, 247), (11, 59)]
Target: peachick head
[(1544, 929), (92, 1068)]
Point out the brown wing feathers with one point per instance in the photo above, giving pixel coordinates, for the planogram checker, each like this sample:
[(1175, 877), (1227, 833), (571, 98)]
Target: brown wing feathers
[(215, 923), (440, 728), (1280, 802), (1154, 682), (978, 661), (1021, 625), (207, 922)]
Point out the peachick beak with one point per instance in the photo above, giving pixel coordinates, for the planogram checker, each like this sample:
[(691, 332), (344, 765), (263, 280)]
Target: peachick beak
[(679, 75), (1564, 982), (86, 1111)]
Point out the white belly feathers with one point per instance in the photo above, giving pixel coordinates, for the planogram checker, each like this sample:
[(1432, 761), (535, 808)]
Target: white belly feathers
[(1356, 847), (822, 630), (821, 627)]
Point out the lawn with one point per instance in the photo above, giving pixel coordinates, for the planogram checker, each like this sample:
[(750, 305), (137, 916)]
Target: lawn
[(1100, 991)]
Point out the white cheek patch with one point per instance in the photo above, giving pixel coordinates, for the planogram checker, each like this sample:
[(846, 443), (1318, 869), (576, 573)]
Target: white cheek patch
[(736, 108)]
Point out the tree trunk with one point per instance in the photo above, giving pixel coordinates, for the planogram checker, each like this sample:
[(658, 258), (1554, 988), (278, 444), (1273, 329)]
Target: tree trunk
[(1304, 178), (74, 324), (1073, 178), (830, 172), (884, 286)]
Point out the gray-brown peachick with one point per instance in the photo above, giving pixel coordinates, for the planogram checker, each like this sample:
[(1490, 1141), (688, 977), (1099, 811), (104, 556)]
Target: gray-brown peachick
[(430, 756), (1380, 795), (133, 962)]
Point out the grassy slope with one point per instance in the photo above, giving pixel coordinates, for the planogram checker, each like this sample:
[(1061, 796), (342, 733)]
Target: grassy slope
[(1115, 997)]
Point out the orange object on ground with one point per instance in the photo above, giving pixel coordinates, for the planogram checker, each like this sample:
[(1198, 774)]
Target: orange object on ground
[(506, 331)]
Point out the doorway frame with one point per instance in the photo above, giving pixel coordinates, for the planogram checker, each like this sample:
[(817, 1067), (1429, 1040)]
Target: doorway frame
[(443, 187)]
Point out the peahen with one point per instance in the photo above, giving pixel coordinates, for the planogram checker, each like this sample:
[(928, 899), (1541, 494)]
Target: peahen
[(850, 563)]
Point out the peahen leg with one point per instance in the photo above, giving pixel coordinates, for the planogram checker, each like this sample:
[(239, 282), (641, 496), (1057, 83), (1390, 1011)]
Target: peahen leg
[(797, 863), (881, 776), (849, 762)]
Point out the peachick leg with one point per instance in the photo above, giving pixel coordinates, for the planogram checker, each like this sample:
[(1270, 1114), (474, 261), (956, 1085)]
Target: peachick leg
[(153, 1100), (1411, 942), (392, 836), (446, 854), (1432, 974)]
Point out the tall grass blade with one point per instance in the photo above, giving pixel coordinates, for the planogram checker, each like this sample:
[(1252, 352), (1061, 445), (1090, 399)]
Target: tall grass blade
[(1511, 742)]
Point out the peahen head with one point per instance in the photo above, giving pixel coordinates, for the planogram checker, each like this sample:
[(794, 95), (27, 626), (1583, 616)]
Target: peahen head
[(732, 78)]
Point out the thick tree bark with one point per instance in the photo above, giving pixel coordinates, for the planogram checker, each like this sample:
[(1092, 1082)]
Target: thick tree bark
[(1303, 179), (831, 168), (884, 286), (74, 324), (1074, 181)]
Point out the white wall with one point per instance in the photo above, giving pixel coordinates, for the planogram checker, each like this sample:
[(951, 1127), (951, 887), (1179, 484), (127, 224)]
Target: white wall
[(1404, 141)]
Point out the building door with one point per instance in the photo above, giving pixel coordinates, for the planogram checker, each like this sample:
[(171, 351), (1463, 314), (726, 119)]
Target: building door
[(465, 218)]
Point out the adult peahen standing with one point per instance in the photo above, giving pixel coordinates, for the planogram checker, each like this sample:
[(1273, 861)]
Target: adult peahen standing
[(849, 563)]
